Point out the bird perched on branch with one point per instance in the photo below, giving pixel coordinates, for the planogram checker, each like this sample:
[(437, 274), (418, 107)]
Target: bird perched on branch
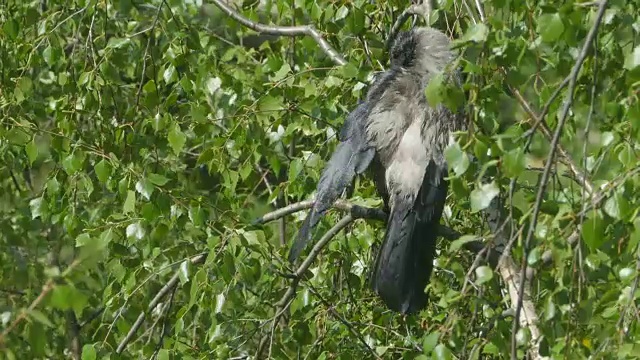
[(396, 133)]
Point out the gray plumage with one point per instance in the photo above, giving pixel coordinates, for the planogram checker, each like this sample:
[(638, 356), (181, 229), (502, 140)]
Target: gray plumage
[(404, 139)]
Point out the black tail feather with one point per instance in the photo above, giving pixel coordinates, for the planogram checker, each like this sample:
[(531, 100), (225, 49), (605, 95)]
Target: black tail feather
[(404, 263)]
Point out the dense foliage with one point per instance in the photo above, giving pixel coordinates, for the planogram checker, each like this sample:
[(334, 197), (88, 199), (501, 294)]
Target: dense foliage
[(140, 139)]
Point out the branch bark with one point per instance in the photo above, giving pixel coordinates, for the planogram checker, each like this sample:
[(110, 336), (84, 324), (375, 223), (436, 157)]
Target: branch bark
[(306, 30)]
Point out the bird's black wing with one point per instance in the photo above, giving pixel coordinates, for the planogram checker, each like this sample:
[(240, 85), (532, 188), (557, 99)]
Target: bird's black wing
[(352, 156)]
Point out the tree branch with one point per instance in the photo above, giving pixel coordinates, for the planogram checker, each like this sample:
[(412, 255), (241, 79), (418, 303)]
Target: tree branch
[(506, 267), (286, 299), (307, 30)]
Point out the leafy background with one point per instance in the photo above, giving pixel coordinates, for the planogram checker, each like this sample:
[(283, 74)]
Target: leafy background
[(140, 139)]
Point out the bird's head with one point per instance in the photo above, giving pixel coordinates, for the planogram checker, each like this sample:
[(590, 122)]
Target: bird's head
[(421, 49)]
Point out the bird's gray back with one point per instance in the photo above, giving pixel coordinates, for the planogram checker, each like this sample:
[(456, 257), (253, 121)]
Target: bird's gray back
[(406, 132)]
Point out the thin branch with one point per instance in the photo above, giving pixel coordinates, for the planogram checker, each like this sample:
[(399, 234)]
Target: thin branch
[(362, 212), (307, 30), (423, 9), (547, 170), (564, 156), (286, 299), (480, 10), (164, 330), (154, 302), (358, 212)]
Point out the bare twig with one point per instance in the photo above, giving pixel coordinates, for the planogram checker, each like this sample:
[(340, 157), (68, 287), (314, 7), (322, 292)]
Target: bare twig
[(547, 170), (480, 10), (423, 9), (154, 302), (358, 212), (307, 30)]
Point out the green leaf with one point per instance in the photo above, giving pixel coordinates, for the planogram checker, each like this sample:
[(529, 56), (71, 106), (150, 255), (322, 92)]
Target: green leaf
[(332, 81), (26, 85), (38, 207), (483, 274), (434, 90), (65, 297), (177, 139), (481, 196), (617, 206), (285, 69), (514, 162), (593, 231), (632, 60), (349, 71), (169, 74), (534, 256), (476, 33), (11, 28), (89, 352), (295, 168), (442, 352), (205, 157), (32, 151), (458, 243), (270, 103), (550, 309), (627, 156), (116, 43), (130, 202), (157, 179), (163, 354), (456, 159), (381, 350), (84, 78), (83, 239), (73, 163), (38, 316), (103, 170), (145, 188), (550, 27), (149, 87), (430, 341), (18, 136)]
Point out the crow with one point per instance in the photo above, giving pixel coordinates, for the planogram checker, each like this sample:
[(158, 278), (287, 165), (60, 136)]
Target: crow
[(401, 139)]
